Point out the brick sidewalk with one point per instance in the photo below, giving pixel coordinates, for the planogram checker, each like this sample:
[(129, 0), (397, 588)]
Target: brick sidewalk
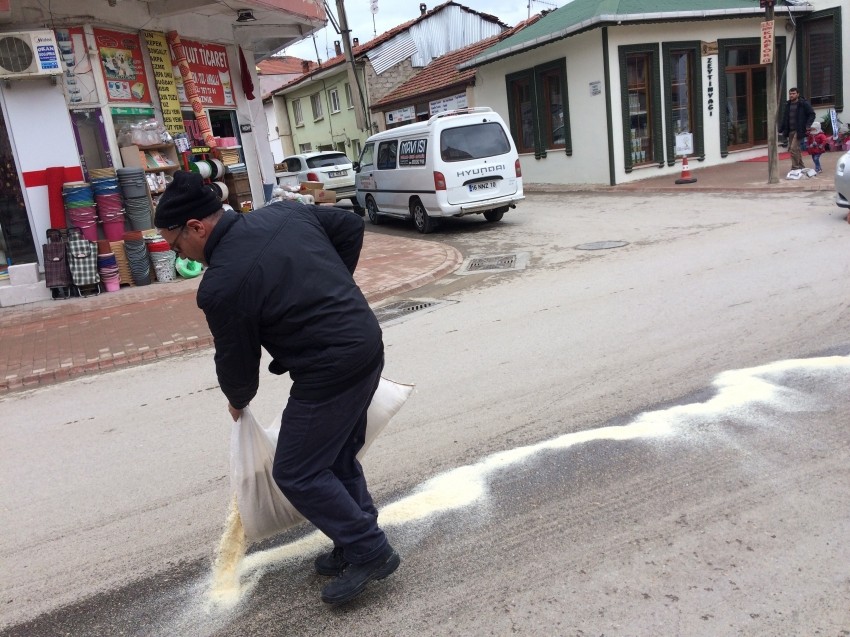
[(51, 341)]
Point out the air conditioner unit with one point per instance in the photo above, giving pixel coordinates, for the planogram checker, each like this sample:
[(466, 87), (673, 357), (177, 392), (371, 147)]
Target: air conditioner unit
[(29, 54)]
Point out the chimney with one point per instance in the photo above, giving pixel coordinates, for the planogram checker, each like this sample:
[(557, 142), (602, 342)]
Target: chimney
[(305, 66), (337, 47), (423, 8), (356, 41)]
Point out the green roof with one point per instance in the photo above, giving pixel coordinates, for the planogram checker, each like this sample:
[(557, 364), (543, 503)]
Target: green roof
[(582, 15)]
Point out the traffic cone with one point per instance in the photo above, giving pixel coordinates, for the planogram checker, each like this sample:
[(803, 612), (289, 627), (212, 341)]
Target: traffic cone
[(686, 177)]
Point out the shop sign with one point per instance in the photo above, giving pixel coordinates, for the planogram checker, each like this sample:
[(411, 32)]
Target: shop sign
[(211, 72), (163, 76), (129, 110), (405, 114), (447, 104), (767, 42), (123, 67)]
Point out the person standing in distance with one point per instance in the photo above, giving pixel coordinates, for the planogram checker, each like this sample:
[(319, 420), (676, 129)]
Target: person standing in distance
[(796, 119), (280, 278)]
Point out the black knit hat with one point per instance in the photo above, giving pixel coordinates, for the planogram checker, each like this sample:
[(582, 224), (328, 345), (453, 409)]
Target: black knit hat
[(186, 197)]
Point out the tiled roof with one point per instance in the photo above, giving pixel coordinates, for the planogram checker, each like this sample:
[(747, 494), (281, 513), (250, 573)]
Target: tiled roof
[(582, 15), (443, 73), (363, 49), (282, 65)]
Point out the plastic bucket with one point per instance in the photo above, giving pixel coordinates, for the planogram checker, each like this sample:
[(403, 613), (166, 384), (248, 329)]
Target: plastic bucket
[(114, 230)]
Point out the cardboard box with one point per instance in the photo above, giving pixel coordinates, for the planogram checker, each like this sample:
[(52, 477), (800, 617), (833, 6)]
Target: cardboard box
[(324, 196), (307, 186)]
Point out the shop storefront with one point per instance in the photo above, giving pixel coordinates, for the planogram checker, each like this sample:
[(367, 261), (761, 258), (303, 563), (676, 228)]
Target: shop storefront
[(115, 100)]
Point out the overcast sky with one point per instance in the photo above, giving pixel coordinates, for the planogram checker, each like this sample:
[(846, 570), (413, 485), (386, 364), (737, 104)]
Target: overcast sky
[(391, 13)]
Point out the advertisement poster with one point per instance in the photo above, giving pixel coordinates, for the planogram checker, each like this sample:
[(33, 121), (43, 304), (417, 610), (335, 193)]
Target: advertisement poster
[(78, 80), (163, 77), (211, 72), (123, 69)]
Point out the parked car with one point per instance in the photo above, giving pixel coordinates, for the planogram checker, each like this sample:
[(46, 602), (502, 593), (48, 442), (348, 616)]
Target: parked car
[(842, 181), (332, 168), (458, 163)]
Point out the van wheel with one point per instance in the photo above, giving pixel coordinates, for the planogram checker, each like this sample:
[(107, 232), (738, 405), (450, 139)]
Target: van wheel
[(494, 215), (372, 211), (423, 221)]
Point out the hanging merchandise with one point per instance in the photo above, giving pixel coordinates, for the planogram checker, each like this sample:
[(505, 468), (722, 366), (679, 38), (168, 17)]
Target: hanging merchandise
[(191, 89)]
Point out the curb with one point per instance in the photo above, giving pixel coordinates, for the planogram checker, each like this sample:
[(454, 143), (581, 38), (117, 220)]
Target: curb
[(452, 260)]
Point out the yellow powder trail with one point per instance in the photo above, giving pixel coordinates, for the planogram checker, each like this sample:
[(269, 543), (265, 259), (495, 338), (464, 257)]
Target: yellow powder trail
[(226, 589)]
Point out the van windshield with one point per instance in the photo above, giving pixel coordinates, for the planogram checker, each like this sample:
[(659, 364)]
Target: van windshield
[(473, 142)]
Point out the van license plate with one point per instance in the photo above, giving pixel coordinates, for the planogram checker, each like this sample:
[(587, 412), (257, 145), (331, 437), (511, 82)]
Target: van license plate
[(483, 185), (337, 173)]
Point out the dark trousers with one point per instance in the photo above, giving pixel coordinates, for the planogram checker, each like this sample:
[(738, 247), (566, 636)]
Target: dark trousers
[(316, 467)]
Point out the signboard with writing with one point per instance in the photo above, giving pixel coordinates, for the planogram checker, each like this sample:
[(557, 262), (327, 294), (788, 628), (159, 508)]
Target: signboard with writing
[(405, 114), (163, 77), (411, 152), (123, 68), (685, 144), (211, 71), (767, 42), (447, 103)]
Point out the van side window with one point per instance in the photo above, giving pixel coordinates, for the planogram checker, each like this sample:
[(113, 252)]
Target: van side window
[(473, 142), (387, 155), (367, 157)]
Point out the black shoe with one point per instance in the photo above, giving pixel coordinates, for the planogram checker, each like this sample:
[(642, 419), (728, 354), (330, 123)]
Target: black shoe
[(354, 578), (332, 563)]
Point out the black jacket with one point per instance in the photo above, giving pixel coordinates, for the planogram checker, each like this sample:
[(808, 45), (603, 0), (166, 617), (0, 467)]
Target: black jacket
[(805, 117), (280, 278)]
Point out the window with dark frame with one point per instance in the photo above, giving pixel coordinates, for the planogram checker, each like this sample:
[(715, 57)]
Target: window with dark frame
[(818, 60), (538, 108), (523, 113)]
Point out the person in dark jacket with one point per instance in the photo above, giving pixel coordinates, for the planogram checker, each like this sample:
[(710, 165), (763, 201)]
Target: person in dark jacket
[(280, 278), (796, 119)]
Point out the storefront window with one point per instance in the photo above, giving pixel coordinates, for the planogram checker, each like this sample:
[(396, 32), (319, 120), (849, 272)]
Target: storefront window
[(820, 60), (640, 108), (537, 103)]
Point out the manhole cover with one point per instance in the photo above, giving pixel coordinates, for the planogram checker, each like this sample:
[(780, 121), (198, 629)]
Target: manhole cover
[(399, 310), (602, 245), (475, 264)]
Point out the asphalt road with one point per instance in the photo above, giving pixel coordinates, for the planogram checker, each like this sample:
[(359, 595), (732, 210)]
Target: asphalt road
[(643, 440)]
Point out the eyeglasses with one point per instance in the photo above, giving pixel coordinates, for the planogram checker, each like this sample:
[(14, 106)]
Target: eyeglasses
[(180, 230)]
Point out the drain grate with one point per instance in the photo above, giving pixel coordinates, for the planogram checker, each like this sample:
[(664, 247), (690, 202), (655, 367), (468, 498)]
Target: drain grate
[(502, 262), (494, 263), (399, 310), (602, 245)]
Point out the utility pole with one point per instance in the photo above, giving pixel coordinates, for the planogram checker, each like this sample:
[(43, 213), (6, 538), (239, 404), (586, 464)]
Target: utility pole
[(360, 113), (772, 151)]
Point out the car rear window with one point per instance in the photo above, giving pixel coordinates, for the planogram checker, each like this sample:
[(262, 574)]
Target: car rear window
[(330, 159), (473, 142)]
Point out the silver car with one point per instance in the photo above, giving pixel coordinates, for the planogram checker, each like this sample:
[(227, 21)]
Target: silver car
[(842, 181), (332, 168)]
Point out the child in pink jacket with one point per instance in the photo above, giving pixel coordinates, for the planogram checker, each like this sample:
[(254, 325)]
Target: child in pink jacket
[(816, 142)]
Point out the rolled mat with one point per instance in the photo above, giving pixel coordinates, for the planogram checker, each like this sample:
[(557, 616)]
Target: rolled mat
[(55, 179)]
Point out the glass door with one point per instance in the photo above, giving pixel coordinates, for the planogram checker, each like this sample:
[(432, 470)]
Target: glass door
[(16, 240), (746, 98)]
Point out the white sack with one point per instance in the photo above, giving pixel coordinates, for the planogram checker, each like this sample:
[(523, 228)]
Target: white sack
[(264, 509)]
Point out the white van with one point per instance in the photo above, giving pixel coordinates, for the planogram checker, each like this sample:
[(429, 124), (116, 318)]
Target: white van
[(457, 163)]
